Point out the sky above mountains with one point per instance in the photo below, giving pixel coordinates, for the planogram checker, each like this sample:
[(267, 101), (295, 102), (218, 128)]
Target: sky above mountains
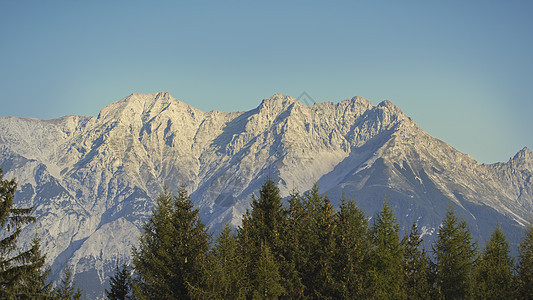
[(461, 70)]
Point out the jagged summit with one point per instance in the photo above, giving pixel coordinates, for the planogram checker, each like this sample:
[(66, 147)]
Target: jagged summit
[(136, 105), (386, 104), (145, 99), (155, 95), (524, 153), (280, 97), (278, 101), (523, 159), (361, 101)]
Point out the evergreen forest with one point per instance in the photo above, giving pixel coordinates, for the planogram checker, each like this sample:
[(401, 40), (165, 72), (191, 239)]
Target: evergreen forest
[(310, 250)]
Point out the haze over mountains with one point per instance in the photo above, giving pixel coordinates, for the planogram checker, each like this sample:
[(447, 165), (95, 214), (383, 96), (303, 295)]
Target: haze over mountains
[(93, 181)]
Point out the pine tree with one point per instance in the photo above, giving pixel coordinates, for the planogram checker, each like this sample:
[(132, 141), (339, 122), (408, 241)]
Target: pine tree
[(120, 284), (172, 249), (415, 266), (386, 253), (21, 272), (493, 275), (66, 290), (525, 265), (454, 253)]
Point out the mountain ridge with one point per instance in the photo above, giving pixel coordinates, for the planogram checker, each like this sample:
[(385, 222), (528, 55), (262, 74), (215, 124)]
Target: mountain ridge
[(93, 181)]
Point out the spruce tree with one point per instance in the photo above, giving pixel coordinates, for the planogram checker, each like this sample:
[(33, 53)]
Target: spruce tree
[(21, 271), (385, 275), (293, 246), (223, 276), (172, 249), (265, 225), (525, 265), (351, 251), (35, 283), (120, 284), (66, 290), (267, 214), (454, 253), (267, 277), (318, 245), (415, 266), (493, 275)]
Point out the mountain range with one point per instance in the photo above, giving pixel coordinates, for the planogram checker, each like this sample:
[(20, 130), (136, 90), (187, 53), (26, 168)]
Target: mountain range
[(93, 180)]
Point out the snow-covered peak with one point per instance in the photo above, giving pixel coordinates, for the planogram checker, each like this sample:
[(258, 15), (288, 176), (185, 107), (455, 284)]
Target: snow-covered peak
[(144, 106)]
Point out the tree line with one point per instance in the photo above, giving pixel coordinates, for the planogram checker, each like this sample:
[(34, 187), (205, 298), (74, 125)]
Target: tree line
[(310, 250), (305, 250)]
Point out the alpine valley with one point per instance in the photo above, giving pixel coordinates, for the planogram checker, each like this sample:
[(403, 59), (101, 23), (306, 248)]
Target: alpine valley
[(93, 181)]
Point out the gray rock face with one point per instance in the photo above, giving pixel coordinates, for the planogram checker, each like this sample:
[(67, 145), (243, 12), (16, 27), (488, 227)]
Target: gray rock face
[(93, 181)]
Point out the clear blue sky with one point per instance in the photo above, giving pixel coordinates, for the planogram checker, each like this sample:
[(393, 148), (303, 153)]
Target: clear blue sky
[(463, 70)]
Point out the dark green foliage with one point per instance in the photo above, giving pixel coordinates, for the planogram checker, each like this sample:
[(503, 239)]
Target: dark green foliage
[(317, 245), (312, 234), (312, 251), (21, 272), (172, 249), (386, 254), (493, 275), (224, 272), (351, 251), (415, 267), (120, 284), (35, 283), (267, 277), (267, 215), (525, 265), (294, 240), (66, 290), (454, 254), (262, 227)]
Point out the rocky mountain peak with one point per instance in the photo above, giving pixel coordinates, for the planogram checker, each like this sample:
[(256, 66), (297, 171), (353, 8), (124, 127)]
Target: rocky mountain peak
[(360, 101), (386, 104), (525, 153), (137, 107), (524, 159), (272, 107), (153, 101), (388, 113), (278, 101)]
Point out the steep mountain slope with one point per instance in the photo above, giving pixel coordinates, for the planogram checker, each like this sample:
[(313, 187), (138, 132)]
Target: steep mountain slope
[(93, 181)]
